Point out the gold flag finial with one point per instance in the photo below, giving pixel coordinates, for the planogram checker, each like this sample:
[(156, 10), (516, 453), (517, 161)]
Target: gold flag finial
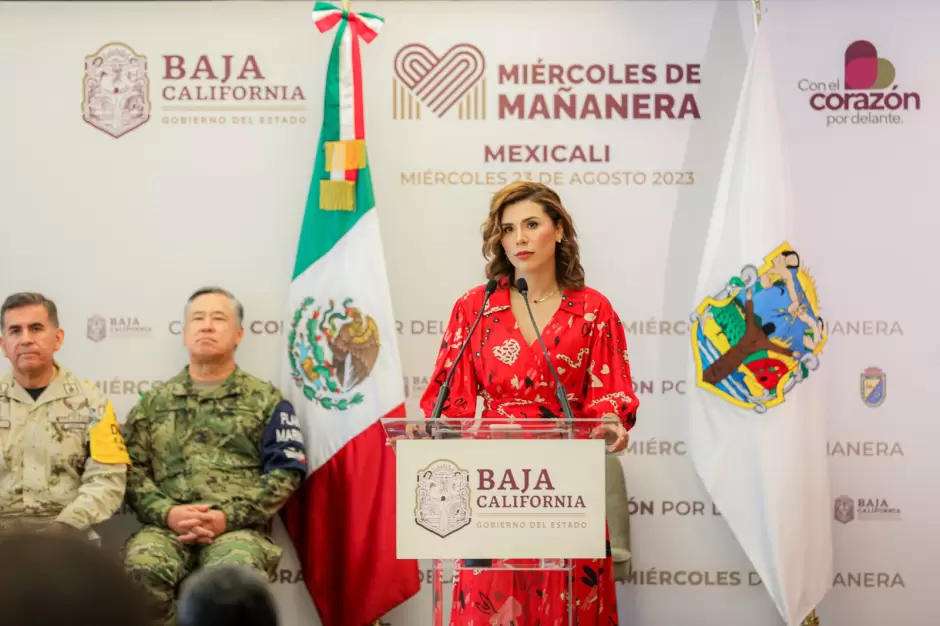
[(346, 5)]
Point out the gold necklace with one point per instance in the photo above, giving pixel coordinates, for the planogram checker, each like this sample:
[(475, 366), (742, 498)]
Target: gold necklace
[(540, 300), (545, 298)]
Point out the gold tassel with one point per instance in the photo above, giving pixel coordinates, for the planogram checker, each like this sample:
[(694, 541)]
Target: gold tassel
[(345, 155), (337, 195), (332, 148), (810, 620), (355, 154)]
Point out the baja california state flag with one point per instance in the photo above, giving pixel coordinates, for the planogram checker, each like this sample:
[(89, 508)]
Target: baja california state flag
[(757, 426), (343, 371)]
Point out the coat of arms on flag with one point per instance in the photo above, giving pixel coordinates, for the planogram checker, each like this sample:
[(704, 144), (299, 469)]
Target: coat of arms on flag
[(332, 349), (759, 336)]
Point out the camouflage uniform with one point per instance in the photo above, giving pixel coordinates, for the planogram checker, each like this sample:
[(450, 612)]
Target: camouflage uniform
[(237, 448), (62, 458)]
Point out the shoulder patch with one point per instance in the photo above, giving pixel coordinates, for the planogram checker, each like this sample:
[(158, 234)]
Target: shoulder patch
[(106, 443), (92, 391), (283, 446), (88, 396)]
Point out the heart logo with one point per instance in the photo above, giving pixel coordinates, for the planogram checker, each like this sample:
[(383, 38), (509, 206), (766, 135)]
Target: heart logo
[(508, 352), (864, 69), (439, 82)]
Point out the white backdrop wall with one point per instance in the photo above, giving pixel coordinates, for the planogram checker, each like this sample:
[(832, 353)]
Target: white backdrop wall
[(211, 190)]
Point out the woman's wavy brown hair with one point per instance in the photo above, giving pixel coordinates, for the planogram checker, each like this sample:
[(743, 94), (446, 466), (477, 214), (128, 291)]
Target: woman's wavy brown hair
[(568, 271)]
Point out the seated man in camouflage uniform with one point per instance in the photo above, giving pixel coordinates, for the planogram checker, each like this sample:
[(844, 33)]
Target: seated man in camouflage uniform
[(216, 452), (63, 464)]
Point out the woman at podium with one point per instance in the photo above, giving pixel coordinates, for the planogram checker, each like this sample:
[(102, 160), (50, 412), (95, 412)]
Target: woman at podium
[(529, 235)]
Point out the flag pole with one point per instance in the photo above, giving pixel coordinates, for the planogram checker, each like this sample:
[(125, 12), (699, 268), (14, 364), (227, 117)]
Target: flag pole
[(811, 619), (377, 622)]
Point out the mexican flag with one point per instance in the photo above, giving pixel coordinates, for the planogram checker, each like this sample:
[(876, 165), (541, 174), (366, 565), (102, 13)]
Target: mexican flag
[(343, 372), (757, 415)]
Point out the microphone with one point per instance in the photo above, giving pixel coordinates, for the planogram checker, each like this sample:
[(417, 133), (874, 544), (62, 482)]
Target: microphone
[(445, 388), (523, 287)]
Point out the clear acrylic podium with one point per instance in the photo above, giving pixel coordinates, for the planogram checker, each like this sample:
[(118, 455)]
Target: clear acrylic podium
[(482, 430)]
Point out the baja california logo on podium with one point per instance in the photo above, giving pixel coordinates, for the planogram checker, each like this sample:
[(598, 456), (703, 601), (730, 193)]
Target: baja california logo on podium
[(352, 339), (442, 498), (116, 90), (759, 336), (422, 78)]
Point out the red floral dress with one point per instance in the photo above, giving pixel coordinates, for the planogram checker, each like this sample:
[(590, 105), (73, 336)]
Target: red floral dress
[(586, 341)]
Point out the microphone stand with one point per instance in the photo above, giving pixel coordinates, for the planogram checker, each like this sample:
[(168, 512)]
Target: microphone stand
[(444, 392), (523, 288)]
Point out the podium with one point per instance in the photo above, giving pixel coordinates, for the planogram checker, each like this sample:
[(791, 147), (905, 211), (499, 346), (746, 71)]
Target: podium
[(499, 495)]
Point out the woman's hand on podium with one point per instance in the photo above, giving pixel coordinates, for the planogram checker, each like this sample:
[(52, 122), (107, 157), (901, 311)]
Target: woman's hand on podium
[(613, 432), (415, 431), (412, 431)]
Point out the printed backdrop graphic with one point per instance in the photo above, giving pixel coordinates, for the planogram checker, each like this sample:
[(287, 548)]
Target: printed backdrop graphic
[(150, 149)]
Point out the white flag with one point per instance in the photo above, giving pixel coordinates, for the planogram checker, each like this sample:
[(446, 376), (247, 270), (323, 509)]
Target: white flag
[(757, 432)]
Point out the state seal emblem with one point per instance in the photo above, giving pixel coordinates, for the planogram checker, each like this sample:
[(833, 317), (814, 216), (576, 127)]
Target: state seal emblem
[(116, 90), (759, 336), (97, 328), (874, 386), (332, 349), (442, 498), (843, 510)]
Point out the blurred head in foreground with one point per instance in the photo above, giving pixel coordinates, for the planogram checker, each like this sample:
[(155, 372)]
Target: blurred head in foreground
[(227, 595), (64, 580)]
